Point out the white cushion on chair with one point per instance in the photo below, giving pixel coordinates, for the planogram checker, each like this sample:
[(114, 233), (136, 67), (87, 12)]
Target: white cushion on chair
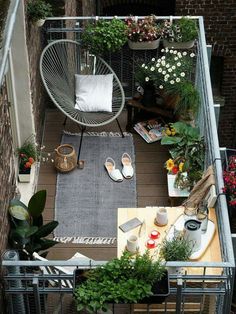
[(94, 92)]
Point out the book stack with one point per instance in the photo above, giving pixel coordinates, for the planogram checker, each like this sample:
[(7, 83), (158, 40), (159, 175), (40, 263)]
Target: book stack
[(150, 130)]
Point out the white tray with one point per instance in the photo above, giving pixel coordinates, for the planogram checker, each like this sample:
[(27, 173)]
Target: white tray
[(205, 237)]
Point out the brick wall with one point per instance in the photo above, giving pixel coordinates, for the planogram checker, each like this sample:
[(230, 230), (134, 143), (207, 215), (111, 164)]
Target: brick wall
[(221, 34), (7, 176), (35, 45)]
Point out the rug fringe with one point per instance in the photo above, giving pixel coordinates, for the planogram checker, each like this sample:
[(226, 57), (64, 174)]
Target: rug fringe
[(85, 240), (115, 134)]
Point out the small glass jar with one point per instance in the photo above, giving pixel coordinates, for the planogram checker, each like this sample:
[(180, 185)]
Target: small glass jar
[(189, 212), (202, 216)]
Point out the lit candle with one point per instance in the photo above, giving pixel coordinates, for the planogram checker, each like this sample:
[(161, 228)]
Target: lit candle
[(154, 234), (151, 243)]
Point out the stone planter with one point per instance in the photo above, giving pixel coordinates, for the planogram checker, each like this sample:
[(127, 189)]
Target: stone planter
[(178, 45), (144, 45)]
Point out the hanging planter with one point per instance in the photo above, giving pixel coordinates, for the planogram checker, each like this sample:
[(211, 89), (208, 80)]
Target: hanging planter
[(144, 45), (178, 45)]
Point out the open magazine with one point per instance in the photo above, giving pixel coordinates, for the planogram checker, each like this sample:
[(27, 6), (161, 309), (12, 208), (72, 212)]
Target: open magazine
[(150, 130)]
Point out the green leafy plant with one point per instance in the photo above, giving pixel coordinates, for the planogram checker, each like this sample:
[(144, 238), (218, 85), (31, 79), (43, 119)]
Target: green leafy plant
[(182, 30), (104, 36), (187, 146), (28, 232), (127, 280), (175, 249), (38, 9)]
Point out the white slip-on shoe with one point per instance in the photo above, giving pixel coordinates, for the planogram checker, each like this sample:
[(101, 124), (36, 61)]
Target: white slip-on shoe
[(113, 173), (128, 170)]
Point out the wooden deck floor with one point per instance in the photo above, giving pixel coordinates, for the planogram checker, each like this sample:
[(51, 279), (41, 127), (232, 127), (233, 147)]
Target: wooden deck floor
[(151, 180)]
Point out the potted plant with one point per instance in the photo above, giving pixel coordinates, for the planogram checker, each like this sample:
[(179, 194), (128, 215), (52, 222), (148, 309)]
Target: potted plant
[(104, 36), (38, 10), (27, 155), (28, 233), (143, 34), (175, 249), (187, 146), (179, 34), (126, 280)]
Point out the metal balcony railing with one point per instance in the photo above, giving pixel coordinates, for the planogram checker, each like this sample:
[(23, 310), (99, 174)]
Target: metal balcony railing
[(207, 293)]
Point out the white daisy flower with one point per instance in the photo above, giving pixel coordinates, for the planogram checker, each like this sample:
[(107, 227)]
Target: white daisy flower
[(174, 75), (162, 50), (182, 74), (169, 70), (152, 69), (163, 62), (167, 75), (163, 57), (175, 52), (159, 60), (192, 55), (153, 59), (157, 65), (146, 67), (171, 51), (172, 82), (184, 53), (147, 79), (177, 79), (176, 58), (161, 87), (163, 72), (167, 49), (167, 66), (178, 64), (160, 70), (173, 67), (143, 65), (165, 79)]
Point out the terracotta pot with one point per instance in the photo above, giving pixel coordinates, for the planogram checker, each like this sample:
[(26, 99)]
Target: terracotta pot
[(144, 45), (178, 45)]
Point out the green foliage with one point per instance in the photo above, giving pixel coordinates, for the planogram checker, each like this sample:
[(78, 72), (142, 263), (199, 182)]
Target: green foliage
[(28, 231), (188, 146), (176, 249), (127, 280), (189, 99), (38, 9), (104, 36), (182, 30), (28, 148)]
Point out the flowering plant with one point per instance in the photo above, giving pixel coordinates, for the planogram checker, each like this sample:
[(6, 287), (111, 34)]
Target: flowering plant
[(230, 181), (182, 30), (143, 30), (27, 155), (173, 166), (174, 67)]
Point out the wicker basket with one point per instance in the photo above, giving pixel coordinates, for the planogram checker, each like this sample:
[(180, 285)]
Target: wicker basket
[(65, 158)]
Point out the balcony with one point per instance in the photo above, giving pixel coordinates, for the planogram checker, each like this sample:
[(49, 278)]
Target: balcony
[(202, 290)]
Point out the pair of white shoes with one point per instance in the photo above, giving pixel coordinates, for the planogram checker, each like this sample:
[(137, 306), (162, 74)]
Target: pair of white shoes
[(115, 174)]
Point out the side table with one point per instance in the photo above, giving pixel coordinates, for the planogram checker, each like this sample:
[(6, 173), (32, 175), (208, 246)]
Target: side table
[(134, 107)]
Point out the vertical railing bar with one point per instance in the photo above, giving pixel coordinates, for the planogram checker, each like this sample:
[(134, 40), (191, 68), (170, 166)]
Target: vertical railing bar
[(36, 295), (179, 294)]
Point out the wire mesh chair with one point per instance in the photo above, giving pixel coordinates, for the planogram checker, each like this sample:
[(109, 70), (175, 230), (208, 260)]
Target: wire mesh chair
[(59, 62)]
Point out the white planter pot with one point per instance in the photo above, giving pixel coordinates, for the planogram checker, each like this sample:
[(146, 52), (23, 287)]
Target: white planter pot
[(144, 45), (40, 22), (24, 177), (179, 45), (172, 190)]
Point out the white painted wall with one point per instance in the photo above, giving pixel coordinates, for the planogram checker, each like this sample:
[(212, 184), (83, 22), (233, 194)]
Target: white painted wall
[(20, 76)]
